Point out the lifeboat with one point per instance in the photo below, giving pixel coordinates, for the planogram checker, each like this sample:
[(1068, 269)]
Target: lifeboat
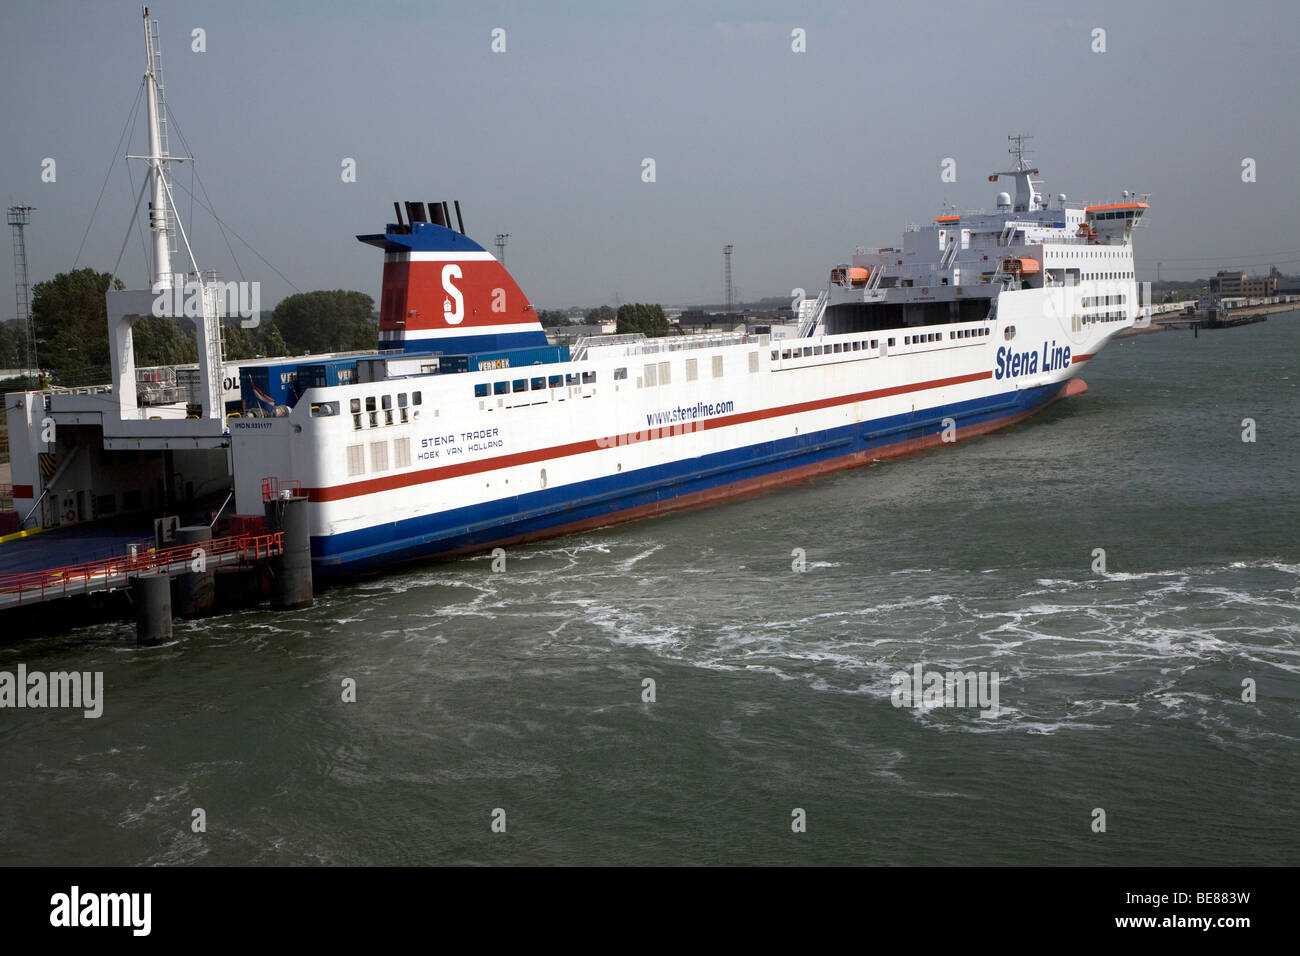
[(1027, 267)]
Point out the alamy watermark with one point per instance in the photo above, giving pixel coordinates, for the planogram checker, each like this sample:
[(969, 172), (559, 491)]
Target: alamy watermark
[(922, 688), (76, 689), (80, 909), (243, 299)]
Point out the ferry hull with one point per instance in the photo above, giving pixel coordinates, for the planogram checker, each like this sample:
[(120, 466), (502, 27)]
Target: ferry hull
[(674, 486)]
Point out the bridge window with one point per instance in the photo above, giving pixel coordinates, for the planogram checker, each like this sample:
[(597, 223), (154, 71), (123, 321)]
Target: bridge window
[(415, 398), (620, 374), (481, 390), (519, 385), (588, 378), (500, 388), (538, 383), (555, 381)]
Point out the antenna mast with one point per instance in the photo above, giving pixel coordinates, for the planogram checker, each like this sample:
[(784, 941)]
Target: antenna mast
[(160, 216), (727, 287), (18, 217)]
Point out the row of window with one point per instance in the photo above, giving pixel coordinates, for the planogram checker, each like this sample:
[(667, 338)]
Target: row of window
[(534, 384), (1104, 317), (378, 456), (808, 350), (1091, 300), (1108, 275), (377, 406)]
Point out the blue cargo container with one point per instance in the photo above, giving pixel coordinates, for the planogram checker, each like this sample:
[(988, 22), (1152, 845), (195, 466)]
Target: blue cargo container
[(506, 358), (265, 386), (326, 374)]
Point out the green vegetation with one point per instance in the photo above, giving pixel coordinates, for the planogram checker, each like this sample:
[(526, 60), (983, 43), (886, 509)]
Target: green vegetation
[(552, 319), (599, 315), (13, 345), (71, 322), (637, 317), (336, 321), (264, 341)]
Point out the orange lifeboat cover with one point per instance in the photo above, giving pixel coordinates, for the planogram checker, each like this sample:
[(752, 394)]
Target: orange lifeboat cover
[(858, 275)]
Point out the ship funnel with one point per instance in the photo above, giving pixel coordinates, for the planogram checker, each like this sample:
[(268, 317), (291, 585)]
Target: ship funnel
[(442, 292)]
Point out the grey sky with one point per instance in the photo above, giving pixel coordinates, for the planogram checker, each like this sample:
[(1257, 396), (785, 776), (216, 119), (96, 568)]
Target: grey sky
[(793, 157)]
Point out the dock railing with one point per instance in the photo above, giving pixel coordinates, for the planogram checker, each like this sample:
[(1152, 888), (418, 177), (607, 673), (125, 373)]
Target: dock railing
[(26, 587)]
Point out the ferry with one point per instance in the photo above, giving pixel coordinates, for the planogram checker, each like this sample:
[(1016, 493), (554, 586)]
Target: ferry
[(465, 430)]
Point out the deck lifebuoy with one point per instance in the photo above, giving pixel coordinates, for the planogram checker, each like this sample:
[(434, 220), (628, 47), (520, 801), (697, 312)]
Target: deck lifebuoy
[(69, 516)]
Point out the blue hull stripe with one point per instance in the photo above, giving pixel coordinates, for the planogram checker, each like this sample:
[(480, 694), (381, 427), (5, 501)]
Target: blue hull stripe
[(538, 511), (468, 344)]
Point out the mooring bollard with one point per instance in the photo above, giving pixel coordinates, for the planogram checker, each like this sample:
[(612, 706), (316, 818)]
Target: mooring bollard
[(195, 591), (152, 592), (292, 569)]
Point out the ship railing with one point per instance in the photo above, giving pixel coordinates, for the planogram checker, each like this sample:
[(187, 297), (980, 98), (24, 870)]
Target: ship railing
[(579, 350), (274, 489), (681, 343), (808, 325)]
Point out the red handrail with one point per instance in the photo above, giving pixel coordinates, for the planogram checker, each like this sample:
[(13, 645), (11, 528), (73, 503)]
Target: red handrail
[(272, 488), (57, 580)]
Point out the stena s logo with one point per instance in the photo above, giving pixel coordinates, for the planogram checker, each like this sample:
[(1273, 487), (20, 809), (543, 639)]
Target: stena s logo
[(453, 307)]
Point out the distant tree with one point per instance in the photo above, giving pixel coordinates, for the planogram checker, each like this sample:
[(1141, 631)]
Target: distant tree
[(20, 345), (551, 318), (8, 346), (272, 343), (162, 341), (239, 344), (599, 315), (330, 321), (71, 321), (638, 317)]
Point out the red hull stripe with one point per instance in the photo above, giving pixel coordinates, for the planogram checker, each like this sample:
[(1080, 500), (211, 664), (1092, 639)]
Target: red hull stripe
[(1075, 359), (390, 482)]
